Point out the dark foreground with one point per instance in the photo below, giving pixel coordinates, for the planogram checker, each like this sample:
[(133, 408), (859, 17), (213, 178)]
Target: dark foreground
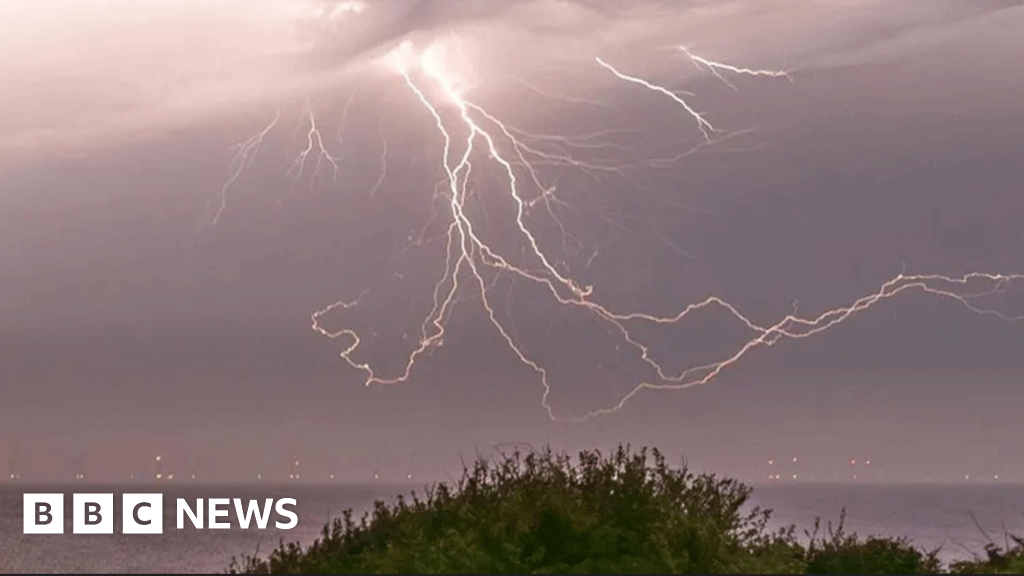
[(624, 513)]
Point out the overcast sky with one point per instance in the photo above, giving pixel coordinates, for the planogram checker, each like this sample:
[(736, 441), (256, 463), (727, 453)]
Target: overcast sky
[(138, 317)]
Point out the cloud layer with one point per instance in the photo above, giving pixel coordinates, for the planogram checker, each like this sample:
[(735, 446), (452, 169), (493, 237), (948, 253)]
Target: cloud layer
[(76, 75)]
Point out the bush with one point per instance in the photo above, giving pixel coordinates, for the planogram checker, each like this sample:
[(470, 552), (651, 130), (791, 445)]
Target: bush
[(626, 512), (999, 561), (843, 553), (541, 513)]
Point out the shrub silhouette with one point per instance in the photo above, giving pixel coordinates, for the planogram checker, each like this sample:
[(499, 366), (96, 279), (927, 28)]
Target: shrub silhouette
[(541, 513), (627, 512), (843, 553), (998, 561)]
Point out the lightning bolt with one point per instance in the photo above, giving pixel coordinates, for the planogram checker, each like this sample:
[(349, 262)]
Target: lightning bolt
[(716, 69), (315, 147), (383, 165), (247, 150), (245, 153), (474, 140), (705, 127)]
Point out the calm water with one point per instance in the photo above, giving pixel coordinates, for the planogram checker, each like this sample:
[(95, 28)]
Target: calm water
[(932, 515)]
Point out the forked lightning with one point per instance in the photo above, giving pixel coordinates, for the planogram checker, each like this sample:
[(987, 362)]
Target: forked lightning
[(515, 157)]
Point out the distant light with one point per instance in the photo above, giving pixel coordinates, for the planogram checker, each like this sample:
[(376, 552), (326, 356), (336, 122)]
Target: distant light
[(193, 476), (259, 476), (170, 476), (794, 476), (854, 476), (158, 458), (967, 477), (867, 463), (296, 462), (376, 476), (332, 476), (159, 475), (997, 476), (771, 462), (409, 476), (794, 459), (853, 462)]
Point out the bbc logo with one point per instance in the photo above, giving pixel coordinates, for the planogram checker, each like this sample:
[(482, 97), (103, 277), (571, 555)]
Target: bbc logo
[(93, 514), (144, 513)]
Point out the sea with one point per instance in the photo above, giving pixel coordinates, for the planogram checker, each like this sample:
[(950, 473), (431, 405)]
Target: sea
[(958, 520)]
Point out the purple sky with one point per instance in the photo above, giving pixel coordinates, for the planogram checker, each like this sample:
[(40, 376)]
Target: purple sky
[(134, 321)]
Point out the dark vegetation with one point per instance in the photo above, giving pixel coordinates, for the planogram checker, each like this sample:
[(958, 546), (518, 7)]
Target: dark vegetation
[(842, 553), (628, 512), (1007, 560)]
